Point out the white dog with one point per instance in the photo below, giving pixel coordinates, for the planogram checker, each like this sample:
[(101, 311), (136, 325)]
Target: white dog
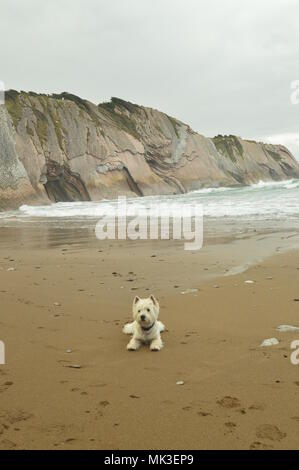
[(145, 328)]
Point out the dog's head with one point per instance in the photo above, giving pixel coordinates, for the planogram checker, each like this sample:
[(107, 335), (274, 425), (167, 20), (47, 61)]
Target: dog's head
[(145, 311)]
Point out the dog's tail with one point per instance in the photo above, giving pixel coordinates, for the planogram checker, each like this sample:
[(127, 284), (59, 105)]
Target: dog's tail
[(128, 329)]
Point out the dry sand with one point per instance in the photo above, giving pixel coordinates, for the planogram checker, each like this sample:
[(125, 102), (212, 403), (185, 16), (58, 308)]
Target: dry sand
[(65, 305)]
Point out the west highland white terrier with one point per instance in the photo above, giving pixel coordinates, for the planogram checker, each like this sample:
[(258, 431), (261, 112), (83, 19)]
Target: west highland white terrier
[(146, 327)]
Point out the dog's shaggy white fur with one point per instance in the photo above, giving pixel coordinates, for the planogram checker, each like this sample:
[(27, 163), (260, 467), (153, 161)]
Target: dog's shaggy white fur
[(146, 327)]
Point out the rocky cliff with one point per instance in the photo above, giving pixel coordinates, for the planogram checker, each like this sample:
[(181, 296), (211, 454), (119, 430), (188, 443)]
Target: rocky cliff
[(64, 148)]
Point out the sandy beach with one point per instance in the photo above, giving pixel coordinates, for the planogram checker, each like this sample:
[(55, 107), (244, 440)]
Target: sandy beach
[(149, 151), (69, 383)]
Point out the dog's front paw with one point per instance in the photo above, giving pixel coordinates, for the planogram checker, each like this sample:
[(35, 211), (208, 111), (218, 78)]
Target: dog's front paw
[(156, 345), (133, 345)]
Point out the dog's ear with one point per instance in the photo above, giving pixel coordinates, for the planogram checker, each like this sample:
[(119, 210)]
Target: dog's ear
[(136, 300), (153, 299)]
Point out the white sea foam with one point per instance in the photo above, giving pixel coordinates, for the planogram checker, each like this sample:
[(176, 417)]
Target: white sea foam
[(264, 201)]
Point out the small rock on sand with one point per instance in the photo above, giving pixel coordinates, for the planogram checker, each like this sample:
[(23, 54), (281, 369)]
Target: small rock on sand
[(249, 281), (180, 382), (189, 291), (269, 342), (74, 366), (288, 328)]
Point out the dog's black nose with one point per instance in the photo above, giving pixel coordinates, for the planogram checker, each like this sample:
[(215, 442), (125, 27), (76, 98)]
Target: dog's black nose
[(142, 317)]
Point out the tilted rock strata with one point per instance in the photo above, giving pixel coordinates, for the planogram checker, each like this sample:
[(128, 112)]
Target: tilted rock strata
[(63, 148)]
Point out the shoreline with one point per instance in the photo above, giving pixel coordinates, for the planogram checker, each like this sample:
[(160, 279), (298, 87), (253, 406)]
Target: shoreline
[(74, 298), (225, 254)]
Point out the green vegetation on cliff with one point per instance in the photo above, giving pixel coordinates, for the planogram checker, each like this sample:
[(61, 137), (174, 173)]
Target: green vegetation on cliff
[(13, 106), (174, 125), (229, 146), (121, 119)]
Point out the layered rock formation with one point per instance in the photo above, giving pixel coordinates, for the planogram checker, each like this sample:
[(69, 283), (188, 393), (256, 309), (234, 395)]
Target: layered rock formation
[(63, 148)]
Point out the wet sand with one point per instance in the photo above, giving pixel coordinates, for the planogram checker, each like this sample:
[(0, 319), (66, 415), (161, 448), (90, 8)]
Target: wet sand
[(63, 305)]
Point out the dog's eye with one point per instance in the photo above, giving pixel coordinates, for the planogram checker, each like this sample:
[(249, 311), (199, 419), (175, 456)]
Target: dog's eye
[(139, 311), (148, 309)]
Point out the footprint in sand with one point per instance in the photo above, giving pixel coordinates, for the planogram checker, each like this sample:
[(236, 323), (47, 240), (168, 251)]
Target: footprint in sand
[(257, 407), (15, 416), (187, 408), (204, 414), (257, 445), (3, 428), (70, 439), (6, 444), (230, 425), (229, 402), (104, 403), (5, 386), (269, 431), (11, 418)]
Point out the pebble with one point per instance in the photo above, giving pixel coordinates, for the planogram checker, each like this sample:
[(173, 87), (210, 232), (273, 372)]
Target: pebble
[(68, 350), (269, 342), (180, 382), (288, 328), (189, 291), (57, 304), (249, 282), (74, 366), (11, 269)]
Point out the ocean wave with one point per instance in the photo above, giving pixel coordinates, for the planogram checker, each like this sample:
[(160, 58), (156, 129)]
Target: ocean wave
[(286, 184), (214, 190), (263, 200)]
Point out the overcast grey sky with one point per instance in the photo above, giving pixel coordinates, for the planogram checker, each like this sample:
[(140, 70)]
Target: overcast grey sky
[(222, 66)]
